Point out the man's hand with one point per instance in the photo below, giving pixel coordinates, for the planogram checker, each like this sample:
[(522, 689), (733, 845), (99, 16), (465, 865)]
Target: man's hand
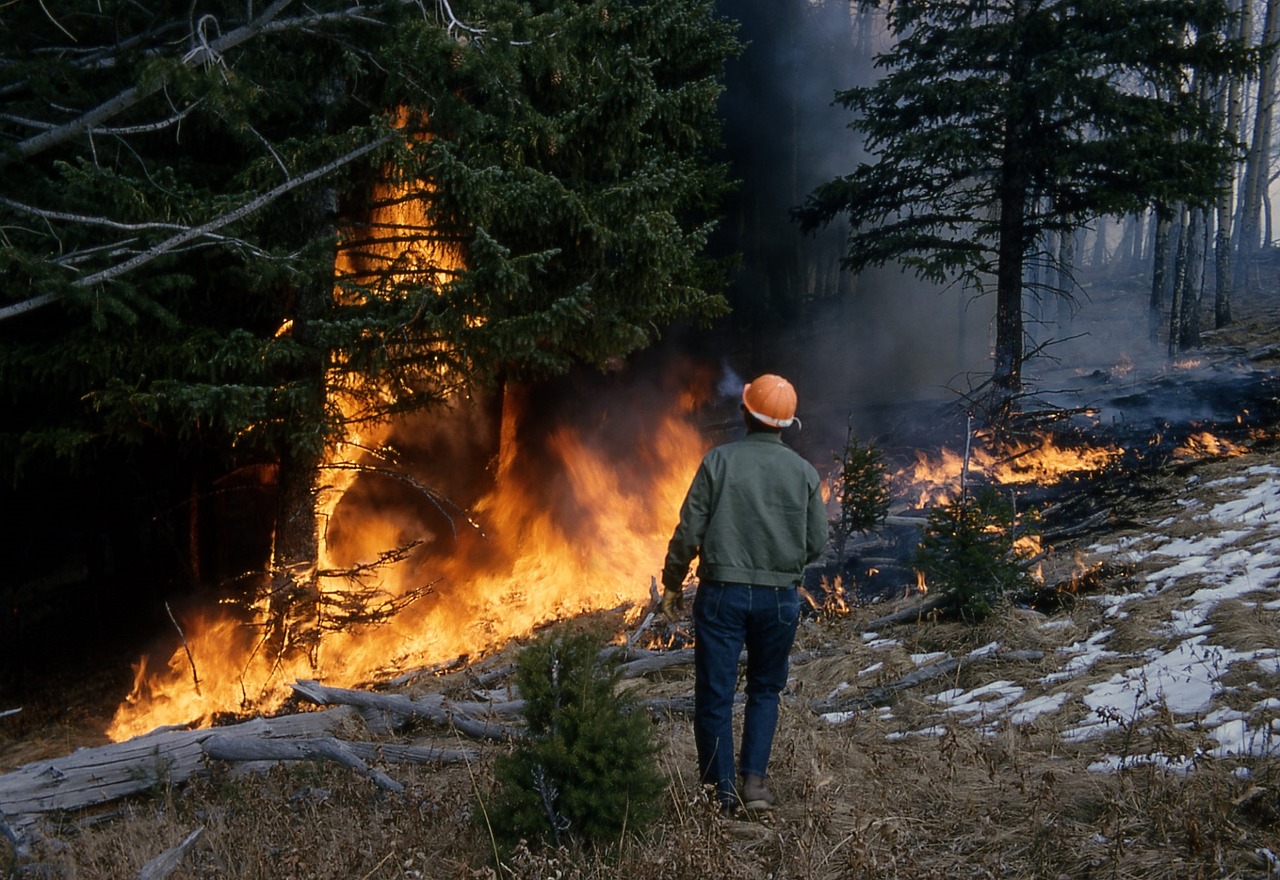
[(672, 602)]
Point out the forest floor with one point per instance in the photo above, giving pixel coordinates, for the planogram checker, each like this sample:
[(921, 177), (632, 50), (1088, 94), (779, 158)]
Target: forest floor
[(1128, 733)]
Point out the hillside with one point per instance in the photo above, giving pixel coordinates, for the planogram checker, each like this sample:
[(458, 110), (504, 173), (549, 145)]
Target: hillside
[(1128, 733)]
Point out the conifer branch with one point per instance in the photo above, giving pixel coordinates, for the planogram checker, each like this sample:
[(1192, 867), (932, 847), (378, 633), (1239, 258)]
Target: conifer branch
[(91, 119), (191, 233)]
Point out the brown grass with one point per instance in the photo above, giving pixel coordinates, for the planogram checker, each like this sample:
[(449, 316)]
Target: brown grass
[(871, 797)]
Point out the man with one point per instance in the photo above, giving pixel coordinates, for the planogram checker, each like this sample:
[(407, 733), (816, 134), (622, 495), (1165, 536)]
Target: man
[(754, 517)]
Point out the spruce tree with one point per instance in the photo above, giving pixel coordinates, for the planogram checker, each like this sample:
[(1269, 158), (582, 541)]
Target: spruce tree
[(178, 185), (587, 770), (996, 122)]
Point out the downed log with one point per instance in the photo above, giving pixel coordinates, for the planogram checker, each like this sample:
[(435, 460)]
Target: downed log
[(430, 707), (95, 776), (910, 614), (167, 862), (884, 694), (229, 748)]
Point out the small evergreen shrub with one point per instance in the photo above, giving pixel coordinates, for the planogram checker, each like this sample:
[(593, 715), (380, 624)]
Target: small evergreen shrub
[(860, 486), (968, 552), (587, 769)]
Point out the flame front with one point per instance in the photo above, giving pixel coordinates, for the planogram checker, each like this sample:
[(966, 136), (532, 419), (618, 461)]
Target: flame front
[(594, 548), (1042, 461)]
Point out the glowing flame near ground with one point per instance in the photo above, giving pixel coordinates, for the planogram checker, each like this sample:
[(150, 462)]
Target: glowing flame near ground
[(1206, 445), (532, 566), (937, 480)]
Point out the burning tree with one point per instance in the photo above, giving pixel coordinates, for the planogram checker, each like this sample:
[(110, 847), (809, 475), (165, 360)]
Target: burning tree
[(998, 122), (195, 287)]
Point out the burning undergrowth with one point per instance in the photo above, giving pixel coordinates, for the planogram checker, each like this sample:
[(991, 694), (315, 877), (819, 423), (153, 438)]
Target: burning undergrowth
[(568, 505)]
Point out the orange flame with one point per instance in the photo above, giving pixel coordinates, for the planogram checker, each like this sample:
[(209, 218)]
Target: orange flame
[(1042, 461), (1206, 445), (536, 567)]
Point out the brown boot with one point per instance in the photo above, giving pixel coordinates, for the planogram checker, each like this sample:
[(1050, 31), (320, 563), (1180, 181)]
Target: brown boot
[(755, 795)]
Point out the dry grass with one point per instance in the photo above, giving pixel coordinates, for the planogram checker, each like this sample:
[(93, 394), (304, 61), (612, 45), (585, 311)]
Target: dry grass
[(871, 797)]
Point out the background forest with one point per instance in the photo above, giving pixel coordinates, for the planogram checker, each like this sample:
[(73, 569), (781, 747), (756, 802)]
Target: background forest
[(259, 257)]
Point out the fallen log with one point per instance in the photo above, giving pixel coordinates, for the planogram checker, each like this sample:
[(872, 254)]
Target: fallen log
[(95, 776), (910, 614), (230, 748), (884, 694), (98, 775), (430, 707)]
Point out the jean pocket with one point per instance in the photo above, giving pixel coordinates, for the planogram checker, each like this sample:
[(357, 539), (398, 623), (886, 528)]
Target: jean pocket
[(788, 606), (707, 600)]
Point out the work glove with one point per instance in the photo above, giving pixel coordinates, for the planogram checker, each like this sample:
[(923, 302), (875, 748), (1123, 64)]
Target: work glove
[(672, 602)]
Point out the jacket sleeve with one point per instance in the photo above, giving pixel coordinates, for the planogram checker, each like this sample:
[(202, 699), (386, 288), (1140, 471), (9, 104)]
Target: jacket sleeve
[(686, 541), (817, 532)]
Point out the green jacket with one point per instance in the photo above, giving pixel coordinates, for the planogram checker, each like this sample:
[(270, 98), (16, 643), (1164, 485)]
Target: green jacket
[(753, 515)]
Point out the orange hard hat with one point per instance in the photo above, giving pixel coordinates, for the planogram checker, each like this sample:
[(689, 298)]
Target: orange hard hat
[(771, 399)]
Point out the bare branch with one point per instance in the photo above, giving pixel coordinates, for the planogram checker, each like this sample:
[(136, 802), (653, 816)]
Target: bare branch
[(106, 110), (86, 219), (194, 232)]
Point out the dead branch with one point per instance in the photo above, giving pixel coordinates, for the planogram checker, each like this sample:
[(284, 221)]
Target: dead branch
[(167, 862), (124, 100), (431, 707), (231, 748), (194, 232), (195, 675), (884, 694)]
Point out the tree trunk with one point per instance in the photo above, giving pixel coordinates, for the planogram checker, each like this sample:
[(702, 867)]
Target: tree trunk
[(1066, 276), (1011, 248), (1193, 282), (1257, 163), (1231, 117), (1176, 302), (295, 608), (1159, 270)]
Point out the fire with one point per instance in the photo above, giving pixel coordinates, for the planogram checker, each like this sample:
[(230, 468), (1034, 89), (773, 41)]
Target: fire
[(594, 548), (1043, 460), (582, 528), (1206, 445)]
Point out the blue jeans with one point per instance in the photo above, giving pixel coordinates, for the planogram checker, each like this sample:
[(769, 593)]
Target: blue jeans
[(727, 618)]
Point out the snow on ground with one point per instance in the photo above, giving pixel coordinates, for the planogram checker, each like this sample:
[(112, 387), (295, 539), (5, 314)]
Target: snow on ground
[(1230, 550)]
